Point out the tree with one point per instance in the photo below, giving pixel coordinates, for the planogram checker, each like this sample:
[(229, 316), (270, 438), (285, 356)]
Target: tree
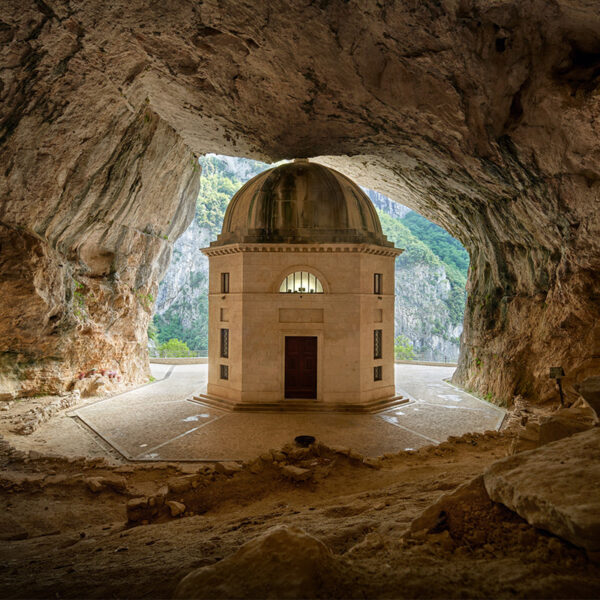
[(152, 332), (174, 348), (403, 348)]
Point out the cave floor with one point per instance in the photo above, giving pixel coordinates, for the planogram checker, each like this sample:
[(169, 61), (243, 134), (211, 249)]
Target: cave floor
[(161, 422)]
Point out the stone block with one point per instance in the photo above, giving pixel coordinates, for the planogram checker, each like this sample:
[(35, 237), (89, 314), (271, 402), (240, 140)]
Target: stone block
[(227, 468), (555, 487), (176, 508), (296, 473)]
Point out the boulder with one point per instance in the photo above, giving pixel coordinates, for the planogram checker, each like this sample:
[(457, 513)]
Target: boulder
[(296, 473), (176, 508), (136, 509), (178, 485), (555, 487), (285, 562), (95, 484), (590, 390), (565, 422), (227, 468), (448, 512)]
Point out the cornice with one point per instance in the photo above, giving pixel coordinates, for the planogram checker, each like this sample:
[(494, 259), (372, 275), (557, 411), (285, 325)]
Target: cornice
[(302, 248)]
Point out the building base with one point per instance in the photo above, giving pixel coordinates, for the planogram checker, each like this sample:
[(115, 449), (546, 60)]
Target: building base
[(369, 407)]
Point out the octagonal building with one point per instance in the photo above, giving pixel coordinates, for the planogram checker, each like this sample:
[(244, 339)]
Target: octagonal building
[(301, 296)]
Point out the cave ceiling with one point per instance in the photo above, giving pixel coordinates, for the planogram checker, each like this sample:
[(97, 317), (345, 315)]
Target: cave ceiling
[(481, 114)]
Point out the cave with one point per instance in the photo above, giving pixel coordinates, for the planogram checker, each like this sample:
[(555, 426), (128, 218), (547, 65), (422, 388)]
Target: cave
[(481, 116)]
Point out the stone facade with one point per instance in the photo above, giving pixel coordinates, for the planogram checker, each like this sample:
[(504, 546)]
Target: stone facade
[(259, 318)]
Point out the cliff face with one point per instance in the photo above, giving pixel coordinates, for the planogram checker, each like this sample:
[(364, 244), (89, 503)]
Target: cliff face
[(421, 313), (482, 116), (79, 273)]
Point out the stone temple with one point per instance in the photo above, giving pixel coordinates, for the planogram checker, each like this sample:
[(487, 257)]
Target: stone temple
[(483, 116), (301, 255)]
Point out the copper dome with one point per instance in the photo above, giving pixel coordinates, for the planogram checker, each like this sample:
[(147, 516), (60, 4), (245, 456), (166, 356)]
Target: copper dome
[(301, 202)]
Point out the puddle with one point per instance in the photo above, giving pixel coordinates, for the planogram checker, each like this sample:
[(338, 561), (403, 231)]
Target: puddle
[(195, 417), (451, 397)]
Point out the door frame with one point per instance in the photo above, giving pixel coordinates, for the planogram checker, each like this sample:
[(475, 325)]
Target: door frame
[(301, 332)]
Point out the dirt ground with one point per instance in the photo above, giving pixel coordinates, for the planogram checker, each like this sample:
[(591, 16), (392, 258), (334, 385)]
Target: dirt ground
[(66, 532)]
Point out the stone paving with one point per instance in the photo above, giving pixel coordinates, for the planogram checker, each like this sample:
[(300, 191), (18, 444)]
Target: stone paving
[(160, 421)]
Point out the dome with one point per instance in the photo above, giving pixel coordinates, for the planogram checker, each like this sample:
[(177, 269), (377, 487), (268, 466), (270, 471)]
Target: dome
[(301, 203)]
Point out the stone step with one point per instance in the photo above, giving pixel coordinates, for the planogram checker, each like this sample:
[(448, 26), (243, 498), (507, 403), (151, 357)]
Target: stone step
[(300, 405)]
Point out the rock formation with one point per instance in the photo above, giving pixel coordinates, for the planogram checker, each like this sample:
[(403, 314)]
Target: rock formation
[(285, 562), (483, 116), (556, 488)]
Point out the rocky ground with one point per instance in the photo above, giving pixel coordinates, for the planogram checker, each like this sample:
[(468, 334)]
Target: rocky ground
[(316, 522)]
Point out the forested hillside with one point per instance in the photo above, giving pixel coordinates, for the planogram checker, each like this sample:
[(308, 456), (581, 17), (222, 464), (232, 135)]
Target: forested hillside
[(430, 274)]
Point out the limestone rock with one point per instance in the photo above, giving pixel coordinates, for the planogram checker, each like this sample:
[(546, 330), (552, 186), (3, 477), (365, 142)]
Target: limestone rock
[(95, 484), (278, 456), (461, 110), (590, 390), (285, 562), (176, 508), (546, 429), (296, 473), (227, 468), (448, 511), (113, 482), (179, 485), (555, 487), (137, 509), (565, 422)]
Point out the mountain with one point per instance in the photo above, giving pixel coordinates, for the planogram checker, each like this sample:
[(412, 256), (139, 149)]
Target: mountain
[(430, 275)]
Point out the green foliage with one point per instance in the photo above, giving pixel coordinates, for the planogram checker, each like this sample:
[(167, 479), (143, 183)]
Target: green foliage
[(442, 244), (426, 243), (146, 300), (451, 254), (403, 348), (217, 186), (79, 306), (194, 333), (174, 348), (152, 332)]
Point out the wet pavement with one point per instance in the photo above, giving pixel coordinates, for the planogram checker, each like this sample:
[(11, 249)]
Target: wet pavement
[(161, 421)]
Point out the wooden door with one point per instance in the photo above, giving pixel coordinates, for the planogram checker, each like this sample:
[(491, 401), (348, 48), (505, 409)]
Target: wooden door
[(300, 367)]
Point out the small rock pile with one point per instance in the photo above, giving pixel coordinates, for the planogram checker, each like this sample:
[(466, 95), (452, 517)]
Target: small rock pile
[(42, 411), (188, 494), (539, 430)]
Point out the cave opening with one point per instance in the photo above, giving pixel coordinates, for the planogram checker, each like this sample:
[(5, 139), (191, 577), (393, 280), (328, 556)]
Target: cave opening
[(431, 274), (115, 480)]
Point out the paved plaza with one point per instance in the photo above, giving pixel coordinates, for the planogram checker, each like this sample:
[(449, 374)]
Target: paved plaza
[(162, 421)]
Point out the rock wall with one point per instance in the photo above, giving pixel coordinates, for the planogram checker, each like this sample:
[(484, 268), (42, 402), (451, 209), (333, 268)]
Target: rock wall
[(480, 115), (93, 192), (421, 314)]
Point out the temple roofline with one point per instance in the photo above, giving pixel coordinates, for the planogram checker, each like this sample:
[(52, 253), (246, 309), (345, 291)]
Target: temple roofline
[(327, 247)]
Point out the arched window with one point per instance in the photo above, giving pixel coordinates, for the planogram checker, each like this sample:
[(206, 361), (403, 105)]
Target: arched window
[(301, 282)]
